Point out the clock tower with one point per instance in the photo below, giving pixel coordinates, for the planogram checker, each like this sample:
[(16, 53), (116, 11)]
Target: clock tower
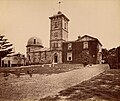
[(58, 35)]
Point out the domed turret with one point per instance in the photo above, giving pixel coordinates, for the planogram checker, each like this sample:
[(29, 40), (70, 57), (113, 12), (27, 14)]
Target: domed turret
[(34, 41)]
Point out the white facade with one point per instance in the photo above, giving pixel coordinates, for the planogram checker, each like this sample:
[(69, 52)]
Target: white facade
[(15, 59)]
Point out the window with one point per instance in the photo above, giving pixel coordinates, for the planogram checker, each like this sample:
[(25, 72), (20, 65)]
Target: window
[(59, 44), (34, 41), (69, 46), (65, 25), (29, 57), (69, 56), (56, 24), (56, 44), (85, 45), (52, 44), (28, 49)]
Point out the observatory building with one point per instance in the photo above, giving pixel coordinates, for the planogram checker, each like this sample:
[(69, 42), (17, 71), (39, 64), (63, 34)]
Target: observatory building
[(85, 48)]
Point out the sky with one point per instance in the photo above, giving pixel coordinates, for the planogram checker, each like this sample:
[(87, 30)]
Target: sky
[(23, 19)]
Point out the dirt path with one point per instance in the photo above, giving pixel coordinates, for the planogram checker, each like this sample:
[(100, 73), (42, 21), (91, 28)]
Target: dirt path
[(39, 86)]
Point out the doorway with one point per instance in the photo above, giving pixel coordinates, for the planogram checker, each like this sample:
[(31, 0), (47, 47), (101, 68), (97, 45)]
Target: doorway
[(55, 58)]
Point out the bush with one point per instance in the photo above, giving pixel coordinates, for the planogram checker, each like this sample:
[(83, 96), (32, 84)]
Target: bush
[(112, 61)]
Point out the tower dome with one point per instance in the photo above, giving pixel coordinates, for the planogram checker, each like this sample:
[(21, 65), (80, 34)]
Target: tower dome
[(34, 41)]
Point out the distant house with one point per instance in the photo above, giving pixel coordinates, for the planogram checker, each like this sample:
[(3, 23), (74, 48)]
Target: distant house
[(85, 49), (14, 59)]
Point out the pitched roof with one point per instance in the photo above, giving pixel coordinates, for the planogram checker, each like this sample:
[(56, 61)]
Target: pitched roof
[(88, 38)]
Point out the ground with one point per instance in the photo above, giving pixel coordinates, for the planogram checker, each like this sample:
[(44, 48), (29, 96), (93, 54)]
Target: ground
[(103, 87), (46, 86)]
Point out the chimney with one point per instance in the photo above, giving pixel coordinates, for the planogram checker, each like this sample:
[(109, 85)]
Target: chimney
[(79, 37)]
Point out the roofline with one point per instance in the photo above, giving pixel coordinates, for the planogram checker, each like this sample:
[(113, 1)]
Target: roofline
[(91, 37), (40, 51), (35, 46), (58, 15), (68, 41)]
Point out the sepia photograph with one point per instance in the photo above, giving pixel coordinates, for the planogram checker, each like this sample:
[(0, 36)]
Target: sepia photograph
[(59, 50)]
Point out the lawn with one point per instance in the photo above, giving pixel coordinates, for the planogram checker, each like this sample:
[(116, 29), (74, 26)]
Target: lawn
[(48, 81), (43, 81), (39, 69)]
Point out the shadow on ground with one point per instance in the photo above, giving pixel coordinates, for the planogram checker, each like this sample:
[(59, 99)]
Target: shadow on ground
[(103, 87)]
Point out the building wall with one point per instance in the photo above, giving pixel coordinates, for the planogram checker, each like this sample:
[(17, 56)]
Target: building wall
[(40, 57), (13, 60), (33, 48), (99, 54), (79, 53)]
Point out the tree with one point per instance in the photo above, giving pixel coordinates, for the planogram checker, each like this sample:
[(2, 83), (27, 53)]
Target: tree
[(105, 55), (114, 58), (85, 58), (5, 47)]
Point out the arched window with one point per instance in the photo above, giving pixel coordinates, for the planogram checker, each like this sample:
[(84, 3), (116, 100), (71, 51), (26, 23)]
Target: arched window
[(34, 41)]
